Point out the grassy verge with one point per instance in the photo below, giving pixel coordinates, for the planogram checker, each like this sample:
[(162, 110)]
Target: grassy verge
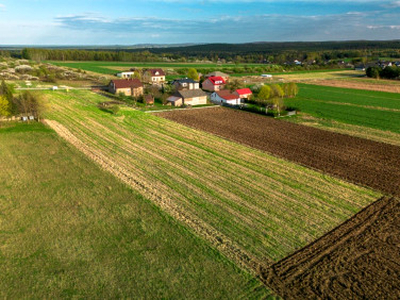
[(70, 230)]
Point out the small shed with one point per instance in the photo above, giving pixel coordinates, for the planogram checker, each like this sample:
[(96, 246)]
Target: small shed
[(175, 101), (148, 99)]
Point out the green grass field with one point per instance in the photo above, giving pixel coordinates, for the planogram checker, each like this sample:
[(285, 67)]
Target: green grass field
[(71, 230), (263, 205), (370, 109)]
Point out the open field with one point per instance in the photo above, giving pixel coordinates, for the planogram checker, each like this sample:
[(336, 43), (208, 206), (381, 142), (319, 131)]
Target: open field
[(377, 135), (114, 67), (358, 260), (390, 86), (360, 161), (371, 109), (253, 207), (70, 230), (320, 74)]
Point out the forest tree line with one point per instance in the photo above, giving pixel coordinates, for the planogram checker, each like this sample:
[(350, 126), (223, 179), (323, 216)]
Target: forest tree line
[(279, 53)]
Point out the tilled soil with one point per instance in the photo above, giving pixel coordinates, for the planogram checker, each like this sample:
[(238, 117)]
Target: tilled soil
[(358, 260), (359, 85), (360, 161)]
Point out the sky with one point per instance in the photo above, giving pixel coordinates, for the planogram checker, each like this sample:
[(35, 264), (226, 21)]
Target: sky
[(131, 22)]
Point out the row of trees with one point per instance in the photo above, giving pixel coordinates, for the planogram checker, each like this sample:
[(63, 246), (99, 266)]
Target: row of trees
[(385, 73), (25, 103), (278, 53), (271, 96)]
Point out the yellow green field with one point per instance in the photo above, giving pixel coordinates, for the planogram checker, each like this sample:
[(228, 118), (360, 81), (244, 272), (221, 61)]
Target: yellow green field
[(71, 230), (253, 207)]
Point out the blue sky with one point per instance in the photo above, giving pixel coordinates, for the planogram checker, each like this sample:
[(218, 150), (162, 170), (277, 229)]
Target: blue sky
[(129, 22)]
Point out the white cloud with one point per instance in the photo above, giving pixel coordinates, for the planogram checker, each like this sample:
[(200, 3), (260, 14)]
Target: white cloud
[(2, 7)]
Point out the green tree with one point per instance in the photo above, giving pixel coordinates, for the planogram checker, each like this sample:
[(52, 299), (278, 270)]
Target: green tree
[(264, 93), (233, 85), (5, 107), (373, 72), (192, 73), (277, 94)]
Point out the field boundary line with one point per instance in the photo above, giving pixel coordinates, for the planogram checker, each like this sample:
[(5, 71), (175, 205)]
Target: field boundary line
[(178, 109), (205, 231)]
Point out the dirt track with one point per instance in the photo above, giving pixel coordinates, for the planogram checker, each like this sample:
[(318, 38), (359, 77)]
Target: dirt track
[(357, 160), (359, 85), (360, 259)]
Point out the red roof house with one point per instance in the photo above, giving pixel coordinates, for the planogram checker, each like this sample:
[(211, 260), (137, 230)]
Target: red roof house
[(243, 93), (213, 84)]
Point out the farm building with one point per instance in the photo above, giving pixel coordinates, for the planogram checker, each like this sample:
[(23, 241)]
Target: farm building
[(225, 97), (218, 74), (175, 101), (154, 76), (125, 75), (185, 84), (129, 87), (243, 93), (213, 84), (188, 97)]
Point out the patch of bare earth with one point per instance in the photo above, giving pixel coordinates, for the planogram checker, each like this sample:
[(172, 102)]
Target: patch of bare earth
[(359, 85), (358, 260), (361, 161)]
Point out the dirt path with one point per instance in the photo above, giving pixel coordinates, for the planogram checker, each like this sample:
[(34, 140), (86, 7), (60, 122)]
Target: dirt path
[(391, 87)]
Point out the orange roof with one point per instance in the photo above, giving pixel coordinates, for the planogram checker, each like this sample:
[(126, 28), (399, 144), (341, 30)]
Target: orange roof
[(127, 83)]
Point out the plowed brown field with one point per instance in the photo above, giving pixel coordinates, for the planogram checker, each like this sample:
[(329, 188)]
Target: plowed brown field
[(360, 259), (358, 160)]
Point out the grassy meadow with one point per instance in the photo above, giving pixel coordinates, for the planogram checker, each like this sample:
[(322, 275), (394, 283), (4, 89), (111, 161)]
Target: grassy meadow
[(369, 114), (264, 206), (71, 230)]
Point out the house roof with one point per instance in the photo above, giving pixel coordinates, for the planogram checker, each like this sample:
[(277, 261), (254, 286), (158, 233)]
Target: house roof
[(227, 95), (217, 74), (127, 83), (217, 80), (191, 93), (173, 98), (245, 91), (156, 72)]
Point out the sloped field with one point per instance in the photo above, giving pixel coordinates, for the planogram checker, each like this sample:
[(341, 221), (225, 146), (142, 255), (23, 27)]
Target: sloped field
[(253, 207)]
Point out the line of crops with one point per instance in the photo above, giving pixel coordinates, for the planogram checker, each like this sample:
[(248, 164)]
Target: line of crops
[(266, 206)]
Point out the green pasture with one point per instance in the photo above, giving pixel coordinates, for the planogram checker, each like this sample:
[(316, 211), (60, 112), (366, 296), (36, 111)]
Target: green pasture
[(71, 230), (378, 110)]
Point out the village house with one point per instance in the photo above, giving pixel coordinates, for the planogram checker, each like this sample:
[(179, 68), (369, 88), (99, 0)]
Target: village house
[(218, 74), (129, 87), (185, 84), (213, 84), (243, 93), (154, 76), (188, 97), (125, 75), (225, 97)]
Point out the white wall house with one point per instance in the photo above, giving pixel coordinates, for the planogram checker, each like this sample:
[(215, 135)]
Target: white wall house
[(225, 97), (125, 75)]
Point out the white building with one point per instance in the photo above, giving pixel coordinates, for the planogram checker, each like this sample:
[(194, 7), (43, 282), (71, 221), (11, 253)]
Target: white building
[(225, 97)]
